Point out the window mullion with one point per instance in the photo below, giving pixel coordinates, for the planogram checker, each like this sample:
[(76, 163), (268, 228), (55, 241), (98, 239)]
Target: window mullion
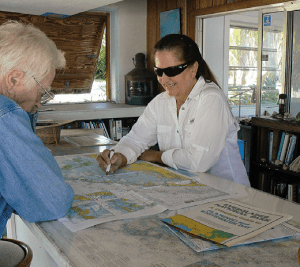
[(287, 72), (259, 64)]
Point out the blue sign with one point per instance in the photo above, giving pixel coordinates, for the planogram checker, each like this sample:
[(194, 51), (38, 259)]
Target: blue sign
[(267, 20), (169, 22)]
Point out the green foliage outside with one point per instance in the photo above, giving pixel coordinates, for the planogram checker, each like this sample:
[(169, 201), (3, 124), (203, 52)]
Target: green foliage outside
[(246, 97), (240, 57), (242, 37), (101, 65), (269, 93), (241, 92)]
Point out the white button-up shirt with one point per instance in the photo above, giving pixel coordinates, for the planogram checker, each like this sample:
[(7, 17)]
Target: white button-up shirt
[(202, 138)]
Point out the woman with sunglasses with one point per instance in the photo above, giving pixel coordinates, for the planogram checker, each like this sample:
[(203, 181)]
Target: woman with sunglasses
[(191, 121)]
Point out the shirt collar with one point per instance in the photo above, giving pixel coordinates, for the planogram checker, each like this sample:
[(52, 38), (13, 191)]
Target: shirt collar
[(197, 89)]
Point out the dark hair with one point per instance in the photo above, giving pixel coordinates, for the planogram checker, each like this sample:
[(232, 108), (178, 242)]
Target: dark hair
[(188, 51)]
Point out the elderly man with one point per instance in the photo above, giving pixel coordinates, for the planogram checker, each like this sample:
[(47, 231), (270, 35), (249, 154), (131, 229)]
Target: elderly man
[(31, 183)]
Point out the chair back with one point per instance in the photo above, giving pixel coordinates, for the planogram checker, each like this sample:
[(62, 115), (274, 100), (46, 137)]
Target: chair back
[(14, 253)]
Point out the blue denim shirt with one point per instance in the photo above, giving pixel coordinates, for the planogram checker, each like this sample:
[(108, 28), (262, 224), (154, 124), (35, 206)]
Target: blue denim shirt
[(31, 182)]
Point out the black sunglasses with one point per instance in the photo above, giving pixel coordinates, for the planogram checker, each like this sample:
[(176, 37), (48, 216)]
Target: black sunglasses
[(171, 71)]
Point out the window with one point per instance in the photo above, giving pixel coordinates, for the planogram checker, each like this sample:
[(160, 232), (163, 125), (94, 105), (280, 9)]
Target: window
[(98, 91), (231, 47), (80, 37), (242, 69), (272, 61), (295, 77)]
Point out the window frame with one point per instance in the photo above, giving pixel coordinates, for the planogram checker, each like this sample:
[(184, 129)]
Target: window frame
[(261, 11), (82, 30)]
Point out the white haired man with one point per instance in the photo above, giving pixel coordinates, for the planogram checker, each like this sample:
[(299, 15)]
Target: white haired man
[(31, 183)]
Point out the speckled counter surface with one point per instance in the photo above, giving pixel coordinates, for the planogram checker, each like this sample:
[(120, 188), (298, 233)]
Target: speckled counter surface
[(146, 241)]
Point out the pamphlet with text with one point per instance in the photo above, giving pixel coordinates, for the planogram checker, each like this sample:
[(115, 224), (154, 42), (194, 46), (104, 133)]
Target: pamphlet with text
[(226, 222)]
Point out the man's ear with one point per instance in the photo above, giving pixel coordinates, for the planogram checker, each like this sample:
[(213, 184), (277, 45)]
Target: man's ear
[(14, 77)]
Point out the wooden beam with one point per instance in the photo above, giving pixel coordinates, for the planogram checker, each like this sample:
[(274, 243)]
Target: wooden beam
[(233, 6)]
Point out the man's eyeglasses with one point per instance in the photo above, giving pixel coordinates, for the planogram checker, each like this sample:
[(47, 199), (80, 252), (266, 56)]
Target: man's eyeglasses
[(171, 71), (47, 96)]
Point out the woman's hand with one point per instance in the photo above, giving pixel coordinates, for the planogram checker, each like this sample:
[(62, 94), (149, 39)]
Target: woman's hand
[(152, 156), (117, 161)]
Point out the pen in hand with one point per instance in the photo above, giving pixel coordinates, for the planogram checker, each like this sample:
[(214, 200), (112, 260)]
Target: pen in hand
[(109, 165)]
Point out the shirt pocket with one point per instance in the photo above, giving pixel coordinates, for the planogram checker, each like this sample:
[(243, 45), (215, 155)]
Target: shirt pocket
[(164, 137)]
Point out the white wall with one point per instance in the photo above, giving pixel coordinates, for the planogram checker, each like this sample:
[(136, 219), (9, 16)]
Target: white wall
[(213, 48), (128, 37)]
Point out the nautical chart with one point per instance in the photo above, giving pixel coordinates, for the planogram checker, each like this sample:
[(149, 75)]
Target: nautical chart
[(139, 189)]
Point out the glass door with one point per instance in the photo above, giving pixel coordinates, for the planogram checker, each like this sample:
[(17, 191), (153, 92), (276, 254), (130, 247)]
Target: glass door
[(247, 53), (242, 65), (295, 65), (271, 67), (230, 45)]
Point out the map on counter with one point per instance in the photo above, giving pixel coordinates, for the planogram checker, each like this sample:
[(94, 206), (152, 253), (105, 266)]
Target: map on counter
[(138, 189)]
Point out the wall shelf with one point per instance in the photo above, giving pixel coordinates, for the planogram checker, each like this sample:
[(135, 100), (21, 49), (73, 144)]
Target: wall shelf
[(88, 111)]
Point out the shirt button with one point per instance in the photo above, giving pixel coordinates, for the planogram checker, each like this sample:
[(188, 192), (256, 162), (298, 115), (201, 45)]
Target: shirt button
[(183, 108), (177, 131)]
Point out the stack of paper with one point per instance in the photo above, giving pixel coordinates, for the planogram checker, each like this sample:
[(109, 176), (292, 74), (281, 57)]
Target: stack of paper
[(226, 222)]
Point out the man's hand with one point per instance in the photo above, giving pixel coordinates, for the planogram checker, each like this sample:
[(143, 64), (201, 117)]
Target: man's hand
[(117, 161)]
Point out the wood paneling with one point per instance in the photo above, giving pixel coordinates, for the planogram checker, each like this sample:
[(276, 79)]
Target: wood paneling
[(80, 37), (205, 4), (219, 2), (154, 7)]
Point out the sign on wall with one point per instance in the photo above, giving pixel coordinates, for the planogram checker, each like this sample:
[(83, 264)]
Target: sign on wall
[(169, 22)]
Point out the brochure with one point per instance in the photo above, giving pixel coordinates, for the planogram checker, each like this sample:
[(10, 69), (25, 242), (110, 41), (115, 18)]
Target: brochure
[(226, 222), (283, 230)]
